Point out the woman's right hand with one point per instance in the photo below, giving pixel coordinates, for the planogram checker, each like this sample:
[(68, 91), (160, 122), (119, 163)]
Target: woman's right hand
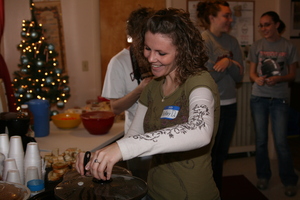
[(260, 80), (101, 162), (79, 165)]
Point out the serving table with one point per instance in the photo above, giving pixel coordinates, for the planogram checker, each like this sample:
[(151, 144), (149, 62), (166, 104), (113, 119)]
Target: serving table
[(78, 138)]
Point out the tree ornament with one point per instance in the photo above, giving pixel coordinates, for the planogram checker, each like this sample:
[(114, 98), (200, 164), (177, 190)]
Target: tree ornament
[(60, 104), (53, 112), (58, 70), (24, 60), (34, 34), (17, 95), (21, 90), (28, 95), (39, 63), (23, 34), (66, 89), (24, 70), (51, 47), (49, 80)]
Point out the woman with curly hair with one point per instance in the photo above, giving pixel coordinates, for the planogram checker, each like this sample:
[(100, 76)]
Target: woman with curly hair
[(177, 117), (226, 67)]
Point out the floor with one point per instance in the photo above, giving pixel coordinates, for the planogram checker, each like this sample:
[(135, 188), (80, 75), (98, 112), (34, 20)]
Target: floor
[(244, 164)]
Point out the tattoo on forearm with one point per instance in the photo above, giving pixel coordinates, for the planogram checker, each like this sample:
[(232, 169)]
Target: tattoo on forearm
[(196, 121)]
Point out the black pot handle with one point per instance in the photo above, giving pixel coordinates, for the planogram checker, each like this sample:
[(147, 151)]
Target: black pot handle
[(86, 159)]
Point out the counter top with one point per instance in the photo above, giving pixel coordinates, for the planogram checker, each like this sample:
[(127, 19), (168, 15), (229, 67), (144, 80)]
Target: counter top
[(79, 138)]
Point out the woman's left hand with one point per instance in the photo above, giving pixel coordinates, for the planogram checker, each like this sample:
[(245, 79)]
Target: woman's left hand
[(272, 80), (239, 66), (103, 160), (221, 65)]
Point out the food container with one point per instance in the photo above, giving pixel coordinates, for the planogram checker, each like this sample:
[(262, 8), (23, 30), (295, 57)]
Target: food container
[(13, 191), (98, 122), (66, 120), (16, 123)]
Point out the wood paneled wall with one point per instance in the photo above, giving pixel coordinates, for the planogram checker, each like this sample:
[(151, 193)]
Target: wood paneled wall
[(113, 16)]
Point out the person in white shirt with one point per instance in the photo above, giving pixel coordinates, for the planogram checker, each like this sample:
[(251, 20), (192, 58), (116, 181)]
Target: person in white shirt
[(125, 80)]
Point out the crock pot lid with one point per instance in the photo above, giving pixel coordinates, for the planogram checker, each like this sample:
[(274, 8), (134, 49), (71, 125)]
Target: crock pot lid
[(121, 187)]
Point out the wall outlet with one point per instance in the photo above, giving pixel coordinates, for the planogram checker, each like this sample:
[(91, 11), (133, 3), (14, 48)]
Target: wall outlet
[(85, 65)]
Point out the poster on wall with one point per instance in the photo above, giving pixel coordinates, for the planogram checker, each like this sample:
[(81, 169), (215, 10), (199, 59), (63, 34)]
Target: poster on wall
[(48, 13), (295, 19), (242, 15)]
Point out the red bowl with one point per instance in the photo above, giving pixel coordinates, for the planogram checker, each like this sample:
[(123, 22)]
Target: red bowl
[(98, 122), (101, 99)]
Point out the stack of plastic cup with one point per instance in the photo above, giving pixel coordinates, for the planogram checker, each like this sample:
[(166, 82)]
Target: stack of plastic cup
[(2, 158), (4, 144), (9, 164), (36, 186), (13, 176), (31, 173), (32, 158), (16, 151)]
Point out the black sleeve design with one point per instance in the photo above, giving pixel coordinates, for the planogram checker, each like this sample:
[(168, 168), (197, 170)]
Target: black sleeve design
[(196, 121)]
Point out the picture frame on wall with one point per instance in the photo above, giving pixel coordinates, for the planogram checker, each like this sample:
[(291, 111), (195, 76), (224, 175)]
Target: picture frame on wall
[(49, 14), (295, 19)]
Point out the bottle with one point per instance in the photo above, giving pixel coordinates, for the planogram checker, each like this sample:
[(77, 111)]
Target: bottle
[(25, 113), (36, 186), (24, 109)]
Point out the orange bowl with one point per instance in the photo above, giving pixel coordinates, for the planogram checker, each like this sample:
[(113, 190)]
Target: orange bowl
[(98, 122), (66, 120)]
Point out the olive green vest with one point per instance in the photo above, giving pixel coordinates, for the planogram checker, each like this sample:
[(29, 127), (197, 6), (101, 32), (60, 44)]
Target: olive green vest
[(180, 175)]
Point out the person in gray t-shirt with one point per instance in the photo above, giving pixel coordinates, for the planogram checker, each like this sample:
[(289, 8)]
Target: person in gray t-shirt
[(225, 65), (273, 64)]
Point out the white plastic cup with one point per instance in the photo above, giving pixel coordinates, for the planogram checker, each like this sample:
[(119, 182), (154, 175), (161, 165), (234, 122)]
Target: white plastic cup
[(4, 144), (15, 146), (2, 158), (13, 176), (34, 163), (9, 164), (31, 173), (16, 151), (32, 152)]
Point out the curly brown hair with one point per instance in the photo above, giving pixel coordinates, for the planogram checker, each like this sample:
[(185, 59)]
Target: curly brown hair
[(137, 19), (135, 24), (176, 24)]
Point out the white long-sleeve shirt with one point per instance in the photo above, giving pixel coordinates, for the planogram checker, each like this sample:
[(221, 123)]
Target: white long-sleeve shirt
[(195, 133)]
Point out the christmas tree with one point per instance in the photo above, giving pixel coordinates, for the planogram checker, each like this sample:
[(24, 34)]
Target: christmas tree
[(39, 75)]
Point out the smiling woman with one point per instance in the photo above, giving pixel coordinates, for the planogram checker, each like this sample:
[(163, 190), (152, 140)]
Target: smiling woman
[(269, 99), (177, 129), (161, 53)]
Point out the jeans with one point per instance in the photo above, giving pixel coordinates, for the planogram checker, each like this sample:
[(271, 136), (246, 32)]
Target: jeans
[(228, 115), (278, 110)]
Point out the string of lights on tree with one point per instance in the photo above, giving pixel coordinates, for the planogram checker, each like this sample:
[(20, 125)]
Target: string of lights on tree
[(39, 75)]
